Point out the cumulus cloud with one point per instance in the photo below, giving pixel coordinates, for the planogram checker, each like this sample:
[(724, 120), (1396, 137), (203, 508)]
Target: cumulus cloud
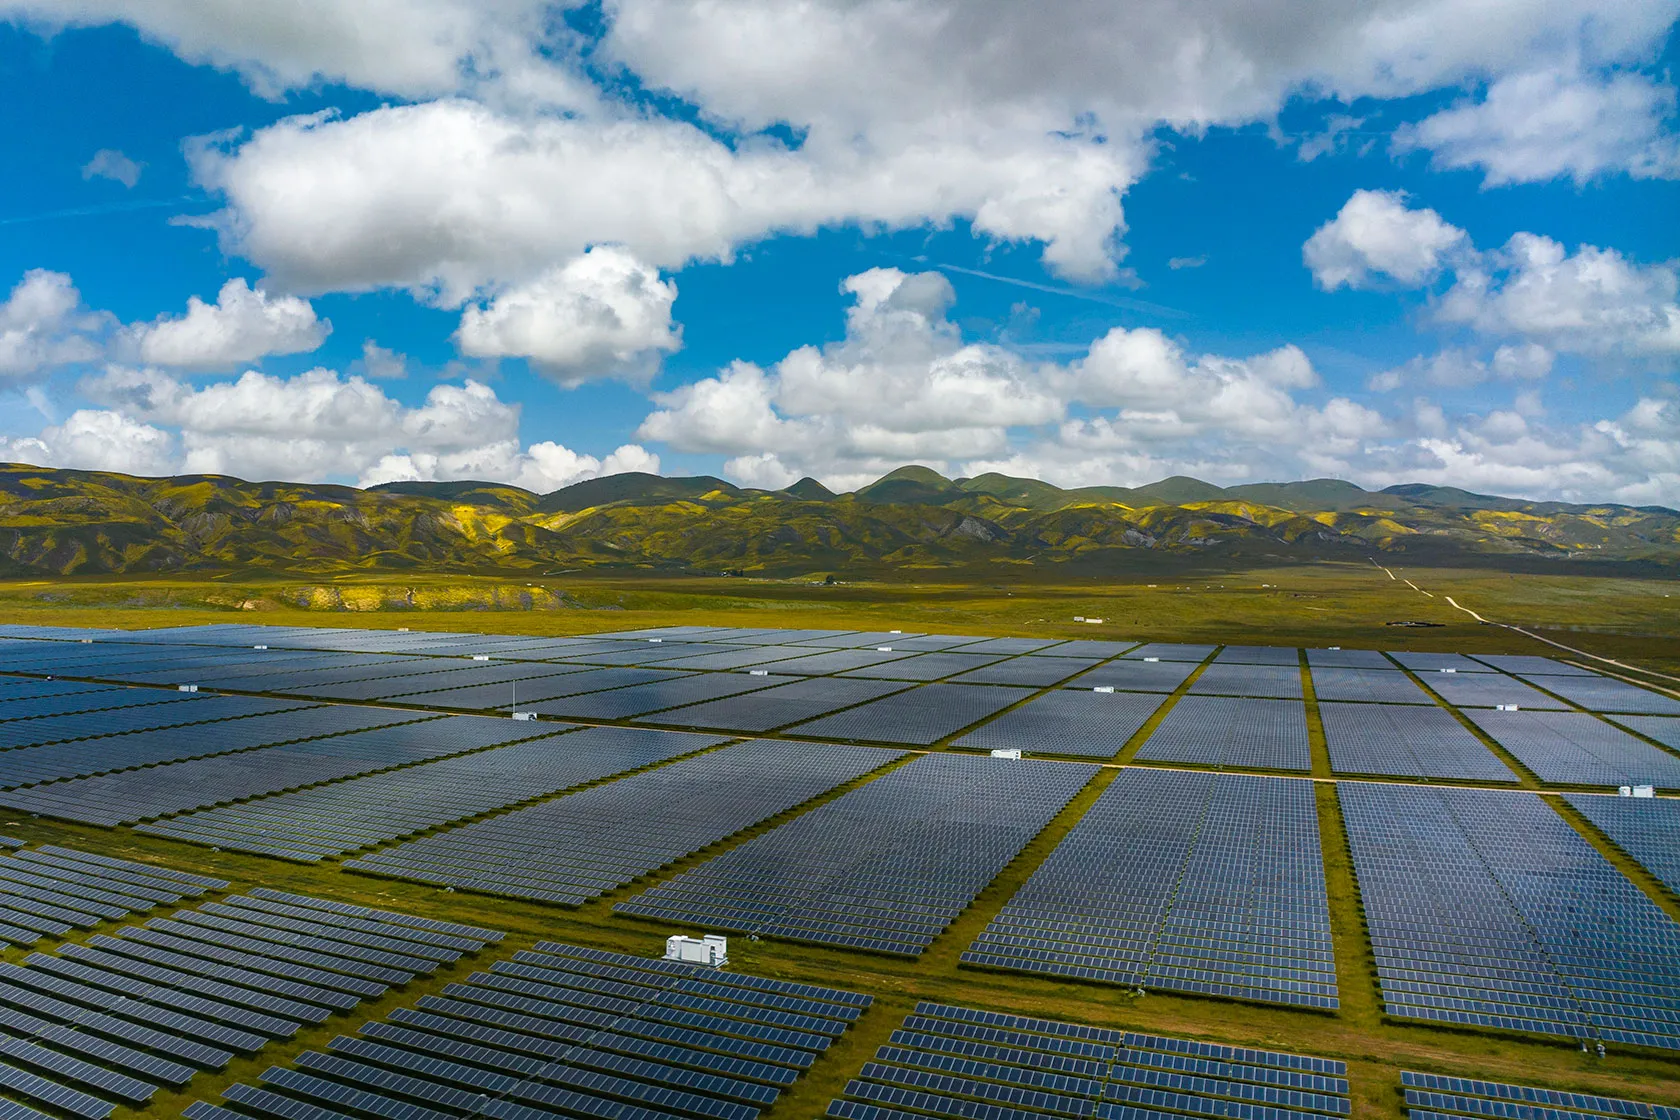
[(244, 325), (602, 314), (1591, 301), (411, 48), (1029, 123), (108, 163), (1375, 234), (452, 196), (381, 364), (903, 386), (95, 440), (1456, 368), (43, 324), (321, 425), (1555, 123)]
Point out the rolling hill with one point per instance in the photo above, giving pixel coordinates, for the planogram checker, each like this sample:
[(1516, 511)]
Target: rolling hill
[(66, 522)]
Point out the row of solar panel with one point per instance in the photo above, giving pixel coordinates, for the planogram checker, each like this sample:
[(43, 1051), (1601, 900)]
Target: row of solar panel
[(52, 891), (113, 1020), (961, 1063), (567, 1030), (573, 848), (1486, 908), (886, 867), (1207, 883)]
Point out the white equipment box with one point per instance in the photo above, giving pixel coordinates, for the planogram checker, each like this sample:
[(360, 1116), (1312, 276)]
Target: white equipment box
[(710, 949)]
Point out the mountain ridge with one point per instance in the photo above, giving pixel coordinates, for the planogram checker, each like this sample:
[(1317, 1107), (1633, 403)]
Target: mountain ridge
[(67, 522)]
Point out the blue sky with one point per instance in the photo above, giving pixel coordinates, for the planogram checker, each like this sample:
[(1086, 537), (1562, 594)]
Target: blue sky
[(535, 242)]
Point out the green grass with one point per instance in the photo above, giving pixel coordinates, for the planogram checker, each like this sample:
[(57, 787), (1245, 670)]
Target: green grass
[(1317, 605)]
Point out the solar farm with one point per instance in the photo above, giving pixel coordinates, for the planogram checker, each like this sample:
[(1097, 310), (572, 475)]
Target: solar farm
[(347, 873)]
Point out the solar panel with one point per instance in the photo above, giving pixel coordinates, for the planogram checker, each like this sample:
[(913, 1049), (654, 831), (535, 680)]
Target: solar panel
[(1406, 742), (86, 1009), (1030, 671), (621, 703), (1227, 679), (331, 820), (779, 706), (1376, 686), (1171, 651), (1646, 828), (1486, 909), (560, 1027), (1579, 749), (1348, 659), (886, 867), (1433, 1096), (1606, 694), (963, 1064), (1128, 675), (1205, 883), (1087, 724), (920, 716), (1259, 655), (575, 847), (928, 666), (1216, 731), (154, 791), (1489, 690)]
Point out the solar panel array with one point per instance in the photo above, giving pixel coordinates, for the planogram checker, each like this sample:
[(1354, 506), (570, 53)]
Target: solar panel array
[(52, 891), (28, 765), (583, 844), (1217, 731), (1348, 659), (1129, 675), (111, 1021), (155, 791), (1085, 724), (1574, 748), (918, 717), (330, 820), (566, 1030), (1171, 651), (1239, 679), (1406, 742), (1606, 694), (1374, 686), (1192, 882), (1646, 828), (188, 708), (779, 706), (965, 1064), (1489, 690), (886, 867), (1433, 1096), (1486, 909)]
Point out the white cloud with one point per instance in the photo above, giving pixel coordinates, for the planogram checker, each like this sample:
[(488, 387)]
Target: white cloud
[(1376, 235), (242, 326), (453, 196), (1460, 369), (380, 364), (602, 314), (43, 324), (1548, 124), (904, 387), (108, 163), (321, 426), (411, 48), (1029, 122), (1177, 263), (1592, 301), (95, 440)]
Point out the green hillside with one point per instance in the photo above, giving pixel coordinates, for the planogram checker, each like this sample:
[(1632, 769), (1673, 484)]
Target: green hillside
[(65, 522)]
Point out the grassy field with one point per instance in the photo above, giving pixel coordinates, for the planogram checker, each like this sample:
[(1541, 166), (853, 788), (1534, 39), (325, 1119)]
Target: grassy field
[(1319, 605)]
